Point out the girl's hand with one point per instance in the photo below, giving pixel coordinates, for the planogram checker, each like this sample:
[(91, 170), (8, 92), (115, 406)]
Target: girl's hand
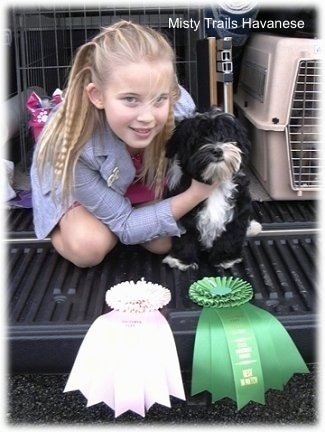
[(187, 200), (202, 190)]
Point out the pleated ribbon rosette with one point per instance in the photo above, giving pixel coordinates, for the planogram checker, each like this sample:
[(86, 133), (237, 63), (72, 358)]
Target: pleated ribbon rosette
[(128, 358), (240, 350), (40, 109)]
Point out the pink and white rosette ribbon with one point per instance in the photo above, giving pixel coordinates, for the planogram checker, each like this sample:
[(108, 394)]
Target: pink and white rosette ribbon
[(128, 358), (40, 109)]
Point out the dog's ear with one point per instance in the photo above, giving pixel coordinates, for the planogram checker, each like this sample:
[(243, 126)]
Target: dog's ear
[(172, 145)]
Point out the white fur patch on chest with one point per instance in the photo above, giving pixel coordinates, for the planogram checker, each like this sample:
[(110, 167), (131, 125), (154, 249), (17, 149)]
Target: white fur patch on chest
[(216, 213)]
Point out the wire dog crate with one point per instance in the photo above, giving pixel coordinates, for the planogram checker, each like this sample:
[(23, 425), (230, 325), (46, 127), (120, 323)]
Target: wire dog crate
[(279, 95), (46, 39)]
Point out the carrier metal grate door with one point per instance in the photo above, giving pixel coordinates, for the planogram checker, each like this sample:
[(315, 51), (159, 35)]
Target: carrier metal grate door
[(304, 127)]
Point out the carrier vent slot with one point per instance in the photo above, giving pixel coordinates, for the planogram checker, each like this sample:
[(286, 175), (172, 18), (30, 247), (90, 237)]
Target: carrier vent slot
[(253, 77)]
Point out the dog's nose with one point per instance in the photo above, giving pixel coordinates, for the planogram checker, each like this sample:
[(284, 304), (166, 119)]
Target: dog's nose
[(218, 152)]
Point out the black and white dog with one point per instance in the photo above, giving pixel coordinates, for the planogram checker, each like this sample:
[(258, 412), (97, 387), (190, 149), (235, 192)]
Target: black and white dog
[(210, 147)]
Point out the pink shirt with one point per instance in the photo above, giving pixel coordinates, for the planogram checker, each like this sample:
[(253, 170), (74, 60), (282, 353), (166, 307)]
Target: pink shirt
[(138, 192)]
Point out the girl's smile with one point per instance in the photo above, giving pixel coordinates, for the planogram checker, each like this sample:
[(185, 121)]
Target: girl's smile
[(142, 133)]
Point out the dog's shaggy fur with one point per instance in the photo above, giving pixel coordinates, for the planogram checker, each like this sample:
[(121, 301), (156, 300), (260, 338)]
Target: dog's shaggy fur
[(210, 147)]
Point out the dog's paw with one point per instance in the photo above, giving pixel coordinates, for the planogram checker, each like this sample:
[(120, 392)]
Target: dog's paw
[(229, 264), (176, 263), (254, 228)]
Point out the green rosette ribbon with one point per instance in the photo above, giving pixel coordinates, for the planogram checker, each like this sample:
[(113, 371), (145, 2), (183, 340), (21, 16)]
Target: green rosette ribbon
[(240, 350)]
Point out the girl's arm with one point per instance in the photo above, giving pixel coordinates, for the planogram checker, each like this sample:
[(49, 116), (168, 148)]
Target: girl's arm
[(133, 225)]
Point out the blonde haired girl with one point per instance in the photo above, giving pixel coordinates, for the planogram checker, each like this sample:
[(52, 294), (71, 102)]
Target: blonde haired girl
[(99, 166)]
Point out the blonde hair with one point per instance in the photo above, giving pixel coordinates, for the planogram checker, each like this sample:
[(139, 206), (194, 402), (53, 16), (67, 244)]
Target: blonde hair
[(77, 118)]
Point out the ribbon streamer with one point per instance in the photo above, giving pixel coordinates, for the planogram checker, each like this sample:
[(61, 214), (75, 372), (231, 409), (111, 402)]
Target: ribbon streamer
[(128, 358), (240, 350)]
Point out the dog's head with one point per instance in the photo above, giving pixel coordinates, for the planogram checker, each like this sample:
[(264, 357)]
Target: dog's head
[(209, 147)]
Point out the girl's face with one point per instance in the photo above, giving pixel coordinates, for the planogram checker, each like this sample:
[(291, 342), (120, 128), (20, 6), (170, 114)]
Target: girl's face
[(136, 101)]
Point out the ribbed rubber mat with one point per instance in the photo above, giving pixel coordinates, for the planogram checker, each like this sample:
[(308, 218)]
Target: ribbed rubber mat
[(275, 214), (20, 222), (286, 214), (52, 302)]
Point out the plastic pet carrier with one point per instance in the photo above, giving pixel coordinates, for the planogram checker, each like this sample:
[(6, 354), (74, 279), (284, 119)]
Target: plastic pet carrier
[(279, 96)]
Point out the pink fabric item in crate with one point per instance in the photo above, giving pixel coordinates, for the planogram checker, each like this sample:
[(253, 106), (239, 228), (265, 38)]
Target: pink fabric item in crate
[(40, 110)]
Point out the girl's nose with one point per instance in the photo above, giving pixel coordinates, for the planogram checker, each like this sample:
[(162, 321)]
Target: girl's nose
[(145, 114)]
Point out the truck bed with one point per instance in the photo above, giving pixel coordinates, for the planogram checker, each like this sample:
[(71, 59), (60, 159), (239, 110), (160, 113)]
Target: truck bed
[(52, 303)]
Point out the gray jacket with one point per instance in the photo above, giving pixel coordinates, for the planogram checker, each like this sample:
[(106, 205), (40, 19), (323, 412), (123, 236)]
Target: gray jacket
[(103, 173)]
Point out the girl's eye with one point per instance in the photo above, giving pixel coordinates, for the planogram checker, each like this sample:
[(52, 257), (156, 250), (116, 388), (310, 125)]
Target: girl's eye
[(130, 100), (134, 101), (161, 99)]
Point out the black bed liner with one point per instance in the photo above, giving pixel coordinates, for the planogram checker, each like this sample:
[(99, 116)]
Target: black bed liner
[(52, 303), (272, 214)]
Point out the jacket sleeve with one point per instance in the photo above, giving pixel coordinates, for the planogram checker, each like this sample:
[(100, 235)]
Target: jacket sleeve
[(131, 225), (184, 106)]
